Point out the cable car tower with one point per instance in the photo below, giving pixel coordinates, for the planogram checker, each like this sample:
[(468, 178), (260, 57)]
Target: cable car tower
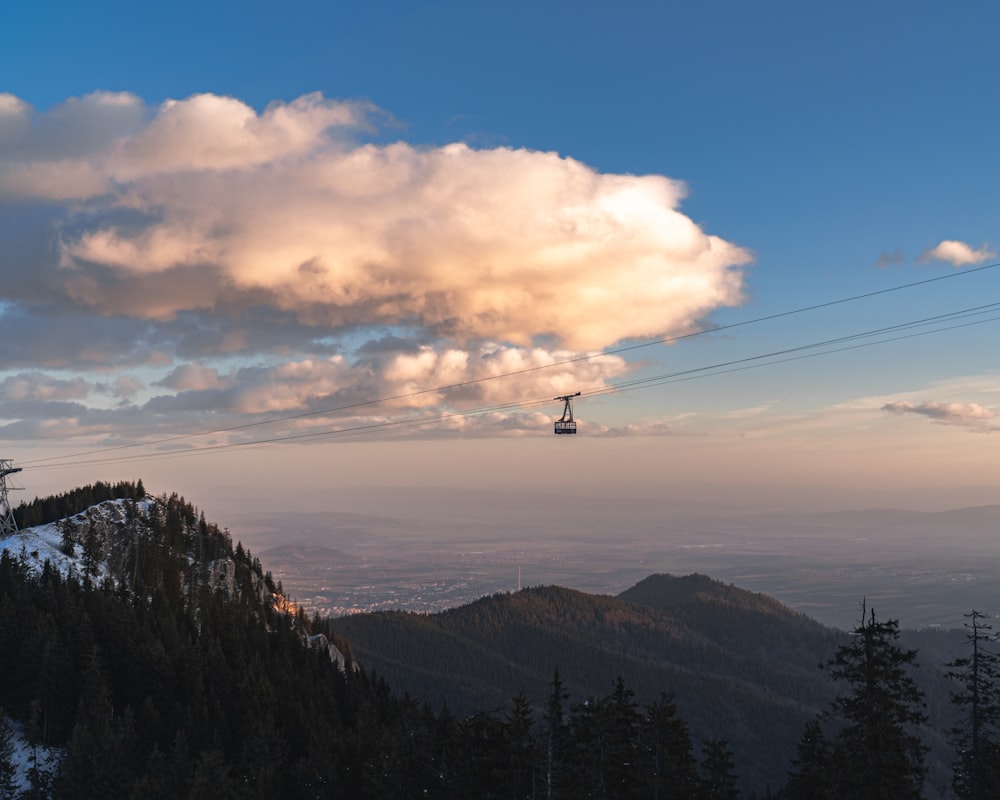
[(566, 423), (8, 526)]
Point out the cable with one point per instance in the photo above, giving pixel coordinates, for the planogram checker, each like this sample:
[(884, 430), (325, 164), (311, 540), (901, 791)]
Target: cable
[(799, 348), (526, 370), (735, 365), (716, 369)]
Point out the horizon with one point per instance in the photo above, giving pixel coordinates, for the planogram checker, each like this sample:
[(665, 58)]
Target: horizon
[(923, 568)]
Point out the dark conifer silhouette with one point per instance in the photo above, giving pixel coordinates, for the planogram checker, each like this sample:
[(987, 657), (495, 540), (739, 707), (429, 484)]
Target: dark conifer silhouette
[(877, 752), (810, 777), (8, 785), (976, 771)]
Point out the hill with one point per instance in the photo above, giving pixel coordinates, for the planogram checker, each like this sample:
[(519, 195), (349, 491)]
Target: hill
[(739, 666)]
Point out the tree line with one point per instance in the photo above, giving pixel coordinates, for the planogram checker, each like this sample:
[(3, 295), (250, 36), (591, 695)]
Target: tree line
[(41, 511)]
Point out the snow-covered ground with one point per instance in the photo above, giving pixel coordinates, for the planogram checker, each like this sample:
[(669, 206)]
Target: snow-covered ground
[(44, 542), (36, 546), (41, 544), (25, 755)]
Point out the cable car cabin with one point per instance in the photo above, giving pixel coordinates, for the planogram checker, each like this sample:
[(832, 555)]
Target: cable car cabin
[(565, 426), (566, 423)]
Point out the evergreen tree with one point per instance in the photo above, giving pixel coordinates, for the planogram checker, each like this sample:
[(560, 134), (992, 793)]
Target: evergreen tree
[(212, 781), (93, 767), (8, 785), (619, 721), (718, 775), (91, 552), (554, 744), (669, 755), (877, 753), (584, 773), (67, 542), (523, 752), (810, 776), (976, 771)]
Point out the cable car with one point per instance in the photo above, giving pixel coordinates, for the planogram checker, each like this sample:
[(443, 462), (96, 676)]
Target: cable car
[(566, 423)]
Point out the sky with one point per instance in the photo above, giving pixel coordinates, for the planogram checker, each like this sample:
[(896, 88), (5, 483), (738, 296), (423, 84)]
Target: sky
[(262, 255)]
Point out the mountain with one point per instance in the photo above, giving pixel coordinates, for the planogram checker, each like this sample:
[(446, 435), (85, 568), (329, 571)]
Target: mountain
[(150, 657), (155, 657), (740, 666)]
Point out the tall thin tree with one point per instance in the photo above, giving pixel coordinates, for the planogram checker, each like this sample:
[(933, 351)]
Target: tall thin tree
[(976, 770)]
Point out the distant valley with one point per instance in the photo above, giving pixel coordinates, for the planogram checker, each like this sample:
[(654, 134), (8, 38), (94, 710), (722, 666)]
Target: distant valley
[(927, 569)]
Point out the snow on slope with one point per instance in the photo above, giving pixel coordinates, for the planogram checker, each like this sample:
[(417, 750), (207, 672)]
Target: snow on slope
[(41, 544), (24, 758), (44, 542)]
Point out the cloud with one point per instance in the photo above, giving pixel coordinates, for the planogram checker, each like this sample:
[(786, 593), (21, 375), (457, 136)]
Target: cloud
[(967, 414), (37, 386), (311, 397), (959, 254), (212, 206), (888, 259), (643, 429), (282, 261), (343, 390), (123, 387), (192, 377)]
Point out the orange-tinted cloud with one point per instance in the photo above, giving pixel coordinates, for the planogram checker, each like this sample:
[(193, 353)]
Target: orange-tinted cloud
[(274, 262), (500, 244)]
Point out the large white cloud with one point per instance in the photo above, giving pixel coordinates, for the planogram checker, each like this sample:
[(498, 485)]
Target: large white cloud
[(499, 244)]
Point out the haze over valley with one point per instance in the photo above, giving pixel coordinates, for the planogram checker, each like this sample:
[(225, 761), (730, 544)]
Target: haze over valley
[(924, 568)]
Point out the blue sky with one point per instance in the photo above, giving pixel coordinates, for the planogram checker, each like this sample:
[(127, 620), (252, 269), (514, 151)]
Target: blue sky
[(836, 146)]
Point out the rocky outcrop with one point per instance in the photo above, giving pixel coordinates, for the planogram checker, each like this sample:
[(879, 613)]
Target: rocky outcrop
[(321, 643)]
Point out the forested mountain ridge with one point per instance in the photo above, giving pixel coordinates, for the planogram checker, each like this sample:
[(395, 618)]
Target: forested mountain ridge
[(740, 667), (162, 661), (159, 657)]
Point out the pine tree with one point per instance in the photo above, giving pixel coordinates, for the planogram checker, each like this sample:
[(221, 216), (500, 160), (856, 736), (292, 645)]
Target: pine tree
[(618, 729), (523, 753), (8, 786), (877, 752), (212, 779), (555, 739), (976, 771), (810, 776), (666, 743), (91, 553), (718, 775), (94, 763)]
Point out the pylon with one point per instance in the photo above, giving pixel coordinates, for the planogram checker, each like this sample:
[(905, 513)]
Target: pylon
[(8, 526)]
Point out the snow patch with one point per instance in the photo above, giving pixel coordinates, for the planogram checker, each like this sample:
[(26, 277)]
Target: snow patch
[(27, 758), (36, 545)]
